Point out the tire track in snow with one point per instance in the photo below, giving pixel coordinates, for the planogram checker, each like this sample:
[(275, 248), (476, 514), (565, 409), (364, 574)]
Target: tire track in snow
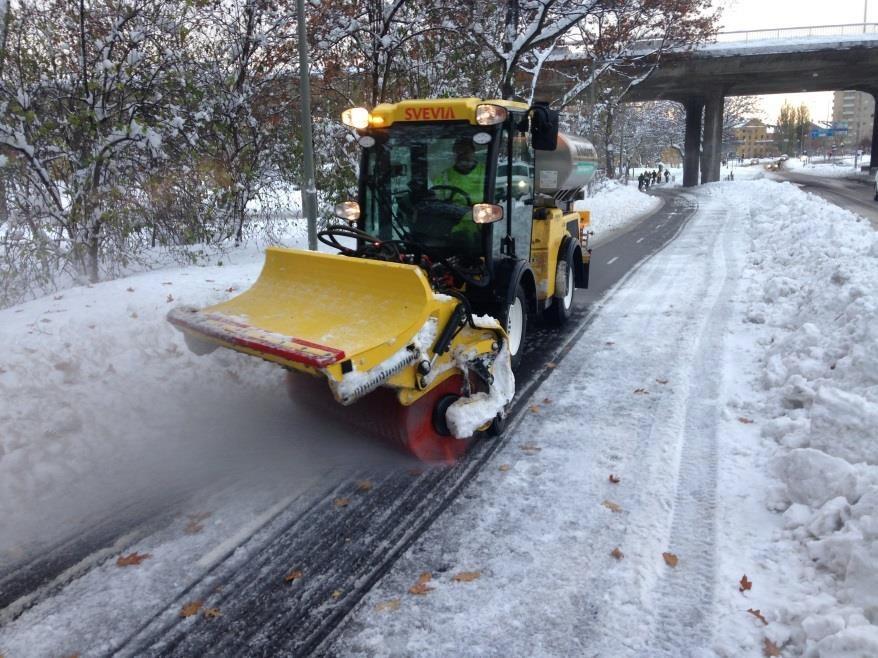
[(683, 619), (666, 453)]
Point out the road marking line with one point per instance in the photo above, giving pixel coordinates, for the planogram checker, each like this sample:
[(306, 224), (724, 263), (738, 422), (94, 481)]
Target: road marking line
[(639, 240), (612, 260)]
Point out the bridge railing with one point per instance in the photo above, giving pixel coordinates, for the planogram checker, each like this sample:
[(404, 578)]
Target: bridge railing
[(846, 29)]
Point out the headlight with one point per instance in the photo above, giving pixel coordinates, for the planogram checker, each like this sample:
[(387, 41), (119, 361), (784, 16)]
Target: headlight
[(348, 211), (488, 115), (356, 117), (487, 213)]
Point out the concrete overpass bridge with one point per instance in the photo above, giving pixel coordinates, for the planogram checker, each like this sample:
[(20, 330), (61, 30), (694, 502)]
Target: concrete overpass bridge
[(788, 60)]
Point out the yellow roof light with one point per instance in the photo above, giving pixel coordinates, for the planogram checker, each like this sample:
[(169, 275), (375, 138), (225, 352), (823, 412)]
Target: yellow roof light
[(356, 117), (489, 115)]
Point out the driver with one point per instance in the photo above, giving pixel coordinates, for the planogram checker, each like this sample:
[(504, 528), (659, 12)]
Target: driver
[(467, 174)]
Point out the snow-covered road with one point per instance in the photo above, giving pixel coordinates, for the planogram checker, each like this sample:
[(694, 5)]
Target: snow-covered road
[(629, 515), (729, 377), (636, 398)]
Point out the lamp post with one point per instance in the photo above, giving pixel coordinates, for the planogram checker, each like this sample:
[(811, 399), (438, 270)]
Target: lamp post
[(309, 189)]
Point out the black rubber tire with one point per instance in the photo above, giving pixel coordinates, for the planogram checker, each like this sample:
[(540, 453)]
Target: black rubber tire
[(497, 427), (558, 313), (522, 299)]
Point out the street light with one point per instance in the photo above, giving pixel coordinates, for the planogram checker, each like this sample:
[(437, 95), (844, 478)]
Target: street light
[(309, 189)]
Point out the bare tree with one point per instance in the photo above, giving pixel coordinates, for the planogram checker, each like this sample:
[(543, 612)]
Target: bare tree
[(82, 91)]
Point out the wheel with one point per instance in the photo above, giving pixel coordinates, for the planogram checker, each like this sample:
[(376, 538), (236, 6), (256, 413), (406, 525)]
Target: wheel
[(562, 305), (515, 324), (497, 426)]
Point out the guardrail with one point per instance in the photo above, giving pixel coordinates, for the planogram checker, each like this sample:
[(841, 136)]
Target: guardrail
[(846, 29)]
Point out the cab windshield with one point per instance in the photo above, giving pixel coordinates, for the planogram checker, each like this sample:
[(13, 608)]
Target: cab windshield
[(420, 182)]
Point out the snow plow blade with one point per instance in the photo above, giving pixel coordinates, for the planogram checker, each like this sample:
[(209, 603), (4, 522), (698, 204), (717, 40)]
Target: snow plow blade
[(360, 324)]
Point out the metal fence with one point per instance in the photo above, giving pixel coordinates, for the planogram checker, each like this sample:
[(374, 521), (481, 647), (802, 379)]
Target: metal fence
[(847, 29)]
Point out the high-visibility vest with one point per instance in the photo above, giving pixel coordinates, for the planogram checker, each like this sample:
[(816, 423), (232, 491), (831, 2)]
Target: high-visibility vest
[(472, 183)]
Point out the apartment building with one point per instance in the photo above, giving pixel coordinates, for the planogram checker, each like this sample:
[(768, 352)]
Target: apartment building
[(754, 139), (857, 110)]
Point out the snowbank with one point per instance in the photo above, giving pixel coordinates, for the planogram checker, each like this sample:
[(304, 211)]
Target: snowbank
[(843, 168), (812, 276), (615, 207)]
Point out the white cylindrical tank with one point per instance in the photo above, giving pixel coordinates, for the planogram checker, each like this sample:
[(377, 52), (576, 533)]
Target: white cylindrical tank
[(568, 168)]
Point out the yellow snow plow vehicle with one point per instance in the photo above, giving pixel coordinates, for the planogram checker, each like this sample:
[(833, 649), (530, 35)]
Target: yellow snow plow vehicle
[(459, 234)]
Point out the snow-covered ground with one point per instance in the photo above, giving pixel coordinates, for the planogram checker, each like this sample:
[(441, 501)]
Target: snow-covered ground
[(841, 168), (698, 477), (99, 393), (729, 385), (616, 207)]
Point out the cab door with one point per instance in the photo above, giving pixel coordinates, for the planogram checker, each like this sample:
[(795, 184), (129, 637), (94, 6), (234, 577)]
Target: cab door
[(514, 191)]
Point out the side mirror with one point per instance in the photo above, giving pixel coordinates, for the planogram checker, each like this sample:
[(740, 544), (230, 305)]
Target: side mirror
[(543, 127)]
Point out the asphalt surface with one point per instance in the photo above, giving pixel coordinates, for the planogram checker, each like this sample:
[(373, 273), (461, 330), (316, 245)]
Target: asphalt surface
[(343, 550), (852, 193)]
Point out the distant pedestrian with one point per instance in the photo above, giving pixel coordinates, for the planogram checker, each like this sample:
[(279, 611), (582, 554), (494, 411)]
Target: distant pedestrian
[(640, 182)]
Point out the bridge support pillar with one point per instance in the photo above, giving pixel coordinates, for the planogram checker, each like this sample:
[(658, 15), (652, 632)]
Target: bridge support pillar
[(692, 144), (873, 159), (713, 138)]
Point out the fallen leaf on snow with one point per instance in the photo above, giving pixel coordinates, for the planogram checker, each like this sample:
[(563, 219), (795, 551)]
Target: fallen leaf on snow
[(341, 502), (616, 553), (231, 289), (193, 528), (670, 559), (336, 595), (613, 507), (420, 588), (744, 584), (190, 608), (466, 576), (661, 381), (504, 467), (388, 606), (132, 559), (615, 479), (551, 364), (535, 408), (364, 485), (609, 342), (293, 575), (769, 649), (547, 400), (530, 448), (758, 615), (130, 289), (212, 613), (744, 420), (641, 391), (167, 283), (170, 298)]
